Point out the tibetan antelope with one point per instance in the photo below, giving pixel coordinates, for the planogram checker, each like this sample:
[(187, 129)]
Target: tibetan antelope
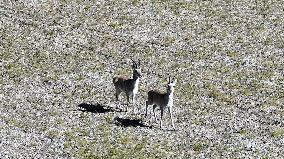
[(128, 85), (163, 100)]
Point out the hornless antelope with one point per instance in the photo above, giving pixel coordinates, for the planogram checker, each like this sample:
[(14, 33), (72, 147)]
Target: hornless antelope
[(128, 85), (163, 100)]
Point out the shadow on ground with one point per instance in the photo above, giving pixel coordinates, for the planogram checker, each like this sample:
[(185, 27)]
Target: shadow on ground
[(129, 122), (96, 108)]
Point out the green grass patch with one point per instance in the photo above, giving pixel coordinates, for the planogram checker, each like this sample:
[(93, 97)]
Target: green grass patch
[(200, 146), (53, 134), (277, 133), (243, 132)]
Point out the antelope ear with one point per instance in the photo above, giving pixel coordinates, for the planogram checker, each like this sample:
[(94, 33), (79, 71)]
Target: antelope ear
[(169, 79)]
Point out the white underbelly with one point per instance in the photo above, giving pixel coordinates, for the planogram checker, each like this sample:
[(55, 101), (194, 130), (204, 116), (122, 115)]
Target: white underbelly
[(171, 100)]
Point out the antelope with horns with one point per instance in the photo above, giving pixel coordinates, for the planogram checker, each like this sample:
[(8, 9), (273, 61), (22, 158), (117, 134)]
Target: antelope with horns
[(128, 85), (163, 100)]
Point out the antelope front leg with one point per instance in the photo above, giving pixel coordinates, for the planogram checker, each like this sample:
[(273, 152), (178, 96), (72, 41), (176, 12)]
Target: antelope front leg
[(146, 109), (117, 92), (171, 113), (154, 107), (127, 97), (161, 122), (133, 100)]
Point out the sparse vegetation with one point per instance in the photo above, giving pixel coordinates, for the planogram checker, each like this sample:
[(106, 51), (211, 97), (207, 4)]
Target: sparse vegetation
[(227, 57), (277, 133), (199, 146)]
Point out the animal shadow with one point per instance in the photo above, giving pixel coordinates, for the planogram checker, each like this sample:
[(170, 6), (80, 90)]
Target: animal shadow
[(124, 122), (95, 108)]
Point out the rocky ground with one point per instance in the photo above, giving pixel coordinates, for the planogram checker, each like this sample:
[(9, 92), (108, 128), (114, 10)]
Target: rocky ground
[(58, 59)]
